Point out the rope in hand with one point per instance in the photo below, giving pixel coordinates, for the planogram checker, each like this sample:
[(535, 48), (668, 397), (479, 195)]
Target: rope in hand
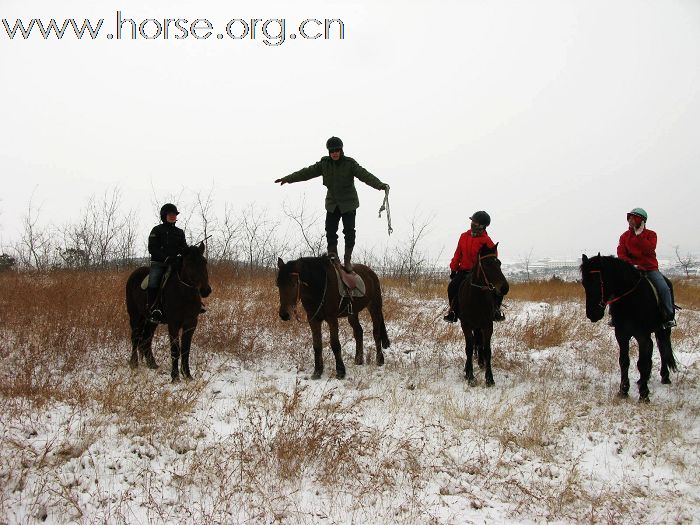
[(385, 206)]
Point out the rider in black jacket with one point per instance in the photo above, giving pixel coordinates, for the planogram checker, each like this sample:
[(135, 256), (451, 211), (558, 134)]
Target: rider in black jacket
[(165, 243)]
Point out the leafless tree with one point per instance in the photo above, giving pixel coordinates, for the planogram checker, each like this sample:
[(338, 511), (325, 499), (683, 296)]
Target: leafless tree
[(685, 262), (35, 247), (226, 243), (313, 239), (411, 259), (258, 242), (526, 259)]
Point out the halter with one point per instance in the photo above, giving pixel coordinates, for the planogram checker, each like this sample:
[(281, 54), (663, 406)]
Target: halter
[(323, 297), (603, 303), (480, 270)]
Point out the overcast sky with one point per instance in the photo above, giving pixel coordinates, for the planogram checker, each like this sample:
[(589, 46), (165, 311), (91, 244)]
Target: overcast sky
[(556, 117)]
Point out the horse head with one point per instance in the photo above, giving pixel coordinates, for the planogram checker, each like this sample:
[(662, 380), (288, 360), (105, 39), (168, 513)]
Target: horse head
[(592, 279), (289, 286), (489, 266), (194, 269)]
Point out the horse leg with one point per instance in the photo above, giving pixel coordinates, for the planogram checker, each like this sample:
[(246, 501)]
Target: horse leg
[(486, 333), (335, 346), (318, 348), (357, 334), (623, 341), (136, 334), (661, 343), (174, 334), (377, 327), (469, 348), (479, 347), (147, 345), (646, 347), (187, 333)]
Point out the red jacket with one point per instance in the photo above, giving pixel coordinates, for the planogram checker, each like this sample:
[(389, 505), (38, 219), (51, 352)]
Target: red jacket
[(639, 250), (467, 252)]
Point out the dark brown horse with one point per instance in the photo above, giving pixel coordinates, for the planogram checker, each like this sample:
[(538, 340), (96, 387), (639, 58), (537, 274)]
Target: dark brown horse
[(476, 309), (313, 281), (181, 299), (635, 312)]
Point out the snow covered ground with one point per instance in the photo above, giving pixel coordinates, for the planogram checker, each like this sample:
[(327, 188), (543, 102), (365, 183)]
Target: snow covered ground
[(254, 440)]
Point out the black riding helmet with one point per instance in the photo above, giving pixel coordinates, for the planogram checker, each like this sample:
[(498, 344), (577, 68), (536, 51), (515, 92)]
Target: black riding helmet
[(481, 217), (334, 143), (168, 208)]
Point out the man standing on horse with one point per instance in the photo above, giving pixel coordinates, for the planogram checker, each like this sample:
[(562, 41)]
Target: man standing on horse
[(339, 173), (165, 242), (637, 246), (465, 259)]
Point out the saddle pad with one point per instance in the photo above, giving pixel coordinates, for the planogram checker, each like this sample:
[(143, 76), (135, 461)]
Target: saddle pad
[(144, 283), (350, 284)]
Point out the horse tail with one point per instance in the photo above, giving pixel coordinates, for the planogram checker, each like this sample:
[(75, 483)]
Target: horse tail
[(663, 338), (384, 336), (379, 306)]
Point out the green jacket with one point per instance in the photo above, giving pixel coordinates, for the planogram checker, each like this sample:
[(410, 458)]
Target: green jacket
[(339, 178)]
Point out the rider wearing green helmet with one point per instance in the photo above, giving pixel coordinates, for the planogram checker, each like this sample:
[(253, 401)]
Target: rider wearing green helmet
[(637, 246)]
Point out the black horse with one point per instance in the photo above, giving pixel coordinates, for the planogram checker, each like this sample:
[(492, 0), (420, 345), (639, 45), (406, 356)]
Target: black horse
[(477, 307), (635, 313), (181, 299), (314, 281)]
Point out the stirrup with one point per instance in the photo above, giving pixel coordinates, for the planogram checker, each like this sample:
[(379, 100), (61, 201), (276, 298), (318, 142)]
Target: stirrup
[(498, 316), (156, 316), (668, 324), (451, 317)]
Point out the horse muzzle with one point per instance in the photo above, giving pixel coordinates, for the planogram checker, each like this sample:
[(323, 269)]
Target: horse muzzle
[(284, 315), (205, 292)]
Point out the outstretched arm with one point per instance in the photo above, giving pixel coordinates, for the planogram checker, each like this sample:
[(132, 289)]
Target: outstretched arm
[(369, 179), (303, 174)]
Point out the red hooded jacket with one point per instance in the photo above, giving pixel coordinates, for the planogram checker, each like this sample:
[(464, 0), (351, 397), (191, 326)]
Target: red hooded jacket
[(467, 252), (639, 250)]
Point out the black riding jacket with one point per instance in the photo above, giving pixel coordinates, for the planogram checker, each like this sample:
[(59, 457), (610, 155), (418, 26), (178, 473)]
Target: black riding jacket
[(166, 240)]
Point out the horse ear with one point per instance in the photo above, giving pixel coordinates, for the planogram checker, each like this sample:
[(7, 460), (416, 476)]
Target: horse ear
[(280, 263), (201, 247), (598, 254), (496, 245), (583, 257)]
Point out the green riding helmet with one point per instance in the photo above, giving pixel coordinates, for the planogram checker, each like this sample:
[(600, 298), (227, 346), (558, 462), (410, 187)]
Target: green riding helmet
[(639, 212)]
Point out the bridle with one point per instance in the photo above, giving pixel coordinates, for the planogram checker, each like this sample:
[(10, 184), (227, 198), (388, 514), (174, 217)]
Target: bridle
[(603, 302), (296, 301), (480, 271)]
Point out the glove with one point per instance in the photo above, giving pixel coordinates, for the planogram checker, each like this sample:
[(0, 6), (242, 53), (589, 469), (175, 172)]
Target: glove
[(385, 187), (281, 181), (453, 275)]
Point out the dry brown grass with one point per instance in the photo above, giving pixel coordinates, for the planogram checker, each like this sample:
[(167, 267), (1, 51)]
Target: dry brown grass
[(66, 344)]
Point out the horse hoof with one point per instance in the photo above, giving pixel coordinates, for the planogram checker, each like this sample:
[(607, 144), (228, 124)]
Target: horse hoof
[(623, 395), (665, 381), (644, 399), (133, 363), (340, 375), (359, 361), (490, 383), (316, 375), (175, 380), (380, 359), (471, 382)]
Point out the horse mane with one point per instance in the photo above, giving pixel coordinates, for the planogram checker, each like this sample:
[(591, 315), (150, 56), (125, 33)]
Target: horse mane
[(312, 270), (610, 263)]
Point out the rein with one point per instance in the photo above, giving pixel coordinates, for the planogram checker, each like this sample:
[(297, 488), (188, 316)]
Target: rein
[(385, 206), (603, 302), (480, 270), (323, 297)]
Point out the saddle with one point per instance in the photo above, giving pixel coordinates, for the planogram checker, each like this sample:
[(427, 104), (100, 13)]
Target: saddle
[(349, 284)]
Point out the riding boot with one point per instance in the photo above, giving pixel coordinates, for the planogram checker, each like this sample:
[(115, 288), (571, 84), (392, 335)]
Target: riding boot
[(451, 317), (333, 251), (347, 260), (497, 314), (152, 311)]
